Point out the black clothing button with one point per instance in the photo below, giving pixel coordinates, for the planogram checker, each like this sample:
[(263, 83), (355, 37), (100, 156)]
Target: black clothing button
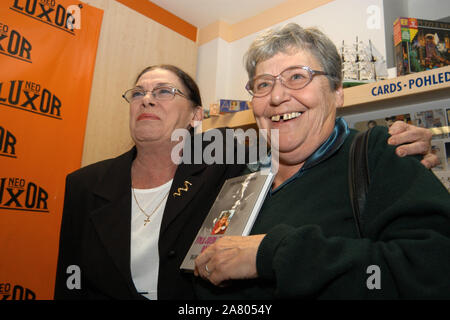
[(171, 253)]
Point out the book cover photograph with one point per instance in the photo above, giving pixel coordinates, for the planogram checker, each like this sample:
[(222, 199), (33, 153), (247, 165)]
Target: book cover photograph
[(233, 212)]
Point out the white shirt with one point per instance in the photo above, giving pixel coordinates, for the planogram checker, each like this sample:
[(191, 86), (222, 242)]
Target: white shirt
[(144, 239)]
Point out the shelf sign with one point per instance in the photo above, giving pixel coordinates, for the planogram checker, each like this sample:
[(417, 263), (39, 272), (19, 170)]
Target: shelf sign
[(412, 83)]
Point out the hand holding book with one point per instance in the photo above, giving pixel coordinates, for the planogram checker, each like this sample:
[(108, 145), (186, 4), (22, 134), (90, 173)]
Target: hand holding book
[(232, 214), (231, 257)]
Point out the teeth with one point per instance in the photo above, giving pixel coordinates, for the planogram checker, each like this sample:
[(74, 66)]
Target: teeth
[(286, 116)]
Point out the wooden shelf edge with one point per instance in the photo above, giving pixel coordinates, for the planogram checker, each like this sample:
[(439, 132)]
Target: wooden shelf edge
[(408, 85), (232, 120)]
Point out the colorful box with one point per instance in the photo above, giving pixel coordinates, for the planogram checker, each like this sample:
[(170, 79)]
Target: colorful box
[(420, 45), (227, 106)]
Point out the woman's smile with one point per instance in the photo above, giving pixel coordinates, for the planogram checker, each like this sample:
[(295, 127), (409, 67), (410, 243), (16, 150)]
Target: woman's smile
[(285, 117)]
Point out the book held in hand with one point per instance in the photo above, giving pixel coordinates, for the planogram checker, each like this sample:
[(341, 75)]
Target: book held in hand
[(233, 213)]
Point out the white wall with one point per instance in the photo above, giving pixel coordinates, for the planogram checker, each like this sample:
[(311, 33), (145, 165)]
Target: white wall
[(428, 9), (340, 20), (206, 70), (213, 73)]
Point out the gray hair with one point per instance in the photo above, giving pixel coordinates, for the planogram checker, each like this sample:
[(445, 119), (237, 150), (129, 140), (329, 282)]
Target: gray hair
[(292, 36)]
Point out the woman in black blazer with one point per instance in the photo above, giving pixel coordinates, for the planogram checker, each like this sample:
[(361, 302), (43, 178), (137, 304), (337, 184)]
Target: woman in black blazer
[(97, 225)]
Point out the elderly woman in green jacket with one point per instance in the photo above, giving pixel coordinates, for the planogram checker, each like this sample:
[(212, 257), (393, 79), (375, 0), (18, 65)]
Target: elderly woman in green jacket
[(304, 243)]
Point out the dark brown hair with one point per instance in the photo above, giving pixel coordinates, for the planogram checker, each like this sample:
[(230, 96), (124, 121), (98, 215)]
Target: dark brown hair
[(193, 92)]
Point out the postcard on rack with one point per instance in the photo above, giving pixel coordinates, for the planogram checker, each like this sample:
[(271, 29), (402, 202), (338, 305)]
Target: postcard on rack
[(385, 122), (233, 212), (435, 120)]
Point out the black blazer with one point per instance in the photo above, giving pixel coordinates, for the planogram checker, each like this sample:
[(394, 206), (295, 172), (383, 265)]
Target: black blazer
[(96, 228)]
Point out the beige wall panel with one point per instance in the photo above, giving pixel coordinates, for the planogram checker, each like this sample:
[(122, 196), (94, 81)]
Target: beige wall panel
[(128, 43)]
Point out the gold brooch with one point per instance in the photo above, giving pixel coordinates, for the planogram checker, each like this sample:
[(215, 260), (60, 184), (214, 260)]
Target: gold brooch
[(186, 188)]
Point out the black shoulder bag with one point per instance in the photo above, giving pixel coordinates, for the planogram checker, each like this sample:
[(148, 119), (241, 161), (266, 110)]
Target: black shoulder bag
[(358, 177)]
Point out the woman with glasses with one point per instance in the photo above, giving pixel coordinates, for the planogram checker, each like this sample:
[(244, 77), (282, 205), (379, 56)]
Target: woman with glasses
[(304, 243), (128, 222)]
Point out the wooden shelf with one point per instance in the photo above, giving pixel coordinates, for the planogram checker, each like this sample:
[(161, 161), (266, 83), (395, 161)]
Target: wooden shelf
[(413, 88), (233, 120), (405, 90), (421, 82)]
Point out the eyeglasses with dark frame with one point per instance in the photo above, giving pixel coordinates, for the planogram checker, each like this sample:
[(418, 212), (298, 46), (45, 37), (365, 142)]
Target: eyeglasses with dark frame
[(162, 93), (295, 78)]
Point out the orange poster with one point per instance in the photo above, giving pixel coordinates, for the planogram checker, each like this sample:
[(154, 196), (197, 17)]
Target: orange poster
[(47, 58)]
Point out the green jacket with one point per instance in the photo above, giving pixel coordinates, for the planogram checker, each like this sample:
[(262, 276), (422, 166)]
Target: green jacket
[(312, 250)]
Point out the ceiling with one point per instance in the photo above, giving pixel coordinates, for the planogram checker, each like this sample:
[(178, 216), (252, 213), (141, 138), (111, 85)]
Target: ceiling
[(201, 13)]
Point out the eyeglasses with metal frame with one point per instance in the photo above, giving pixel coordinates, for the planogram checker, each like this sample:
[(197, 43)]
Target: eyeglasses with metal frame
[(162, 93), (295, 78)]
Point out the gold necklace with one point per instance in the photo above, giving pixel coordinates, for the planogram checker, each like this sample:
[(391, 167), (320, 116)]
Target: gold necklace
[(154, 210)]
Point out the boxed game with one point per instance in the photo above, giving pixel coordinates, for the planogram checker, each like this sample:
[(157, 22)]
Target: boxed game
[(420, 45), (233, 105)]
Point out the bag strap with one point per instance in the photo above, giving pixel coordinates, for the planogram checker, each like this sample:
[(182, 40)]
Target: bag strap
[(358, 177)]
